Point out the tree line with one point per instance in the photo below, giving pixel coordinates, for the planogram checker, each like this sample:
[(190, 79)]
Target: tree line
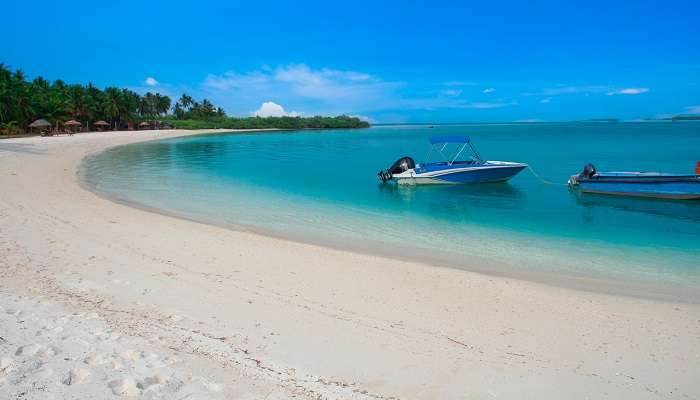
[(317, 122), (23, 101), (188, 108)]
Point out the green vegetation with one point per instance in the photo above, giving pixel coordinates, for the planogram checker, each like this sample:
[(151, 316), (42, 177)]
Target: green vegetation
[(268, 122), (188, 108), (22, 102), (190, 114)]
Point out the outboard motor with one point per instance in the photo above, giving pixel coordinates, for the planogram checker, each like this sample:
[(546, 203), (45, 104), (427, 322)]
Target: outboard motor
[(588, 171), (403, 164)]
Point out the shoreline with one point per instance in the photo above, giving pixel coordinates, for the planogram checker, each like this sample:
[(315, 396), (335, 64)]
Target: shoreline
[(636, 288), (269, 317)]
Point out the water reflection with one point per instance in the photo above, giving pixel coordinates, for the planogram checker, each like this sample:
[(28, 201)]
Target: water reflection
[(453, 202), (688, 210)]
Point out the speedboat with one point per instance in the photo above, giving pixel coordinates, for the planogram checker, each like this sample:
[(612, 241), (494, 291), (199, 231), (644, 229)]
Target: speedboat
[(640, 184), (451, 171)]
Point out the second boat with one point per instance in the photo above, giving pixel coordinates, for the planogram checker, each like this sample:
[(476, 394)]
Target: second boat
[(451, 170)]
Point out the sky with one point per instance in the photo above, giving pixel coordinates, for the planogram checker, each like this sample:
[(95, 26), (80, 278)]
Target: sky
[(389, 62)]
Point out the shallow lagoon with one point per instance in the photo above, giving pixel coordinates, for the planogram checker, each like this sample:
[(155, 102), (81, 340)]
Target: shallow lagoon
[(321, 186)]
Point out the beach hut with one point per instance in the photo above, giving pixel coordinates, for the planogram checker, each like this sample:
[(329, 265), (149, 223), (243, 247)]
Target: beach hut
[(100, 125), (145, 125), (41, 124), (72, 126)]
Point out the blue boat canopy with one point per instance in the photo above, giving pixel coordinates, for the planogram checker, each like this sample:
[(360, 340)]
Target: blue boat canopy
[(448, 139)]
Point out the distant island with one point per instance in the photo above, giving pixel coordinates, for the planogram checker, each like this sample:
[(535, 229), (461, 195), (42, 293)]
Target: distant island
[(602, 120), (685, 118), (681, 117), (317, 122), (43, 106)]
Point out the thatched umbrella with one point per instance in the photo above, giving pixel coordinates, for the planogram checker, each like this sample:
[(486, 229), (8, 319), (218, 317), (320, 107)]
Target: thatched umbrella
[(41, 124), (72, 124), (144, 124), (101, 124)]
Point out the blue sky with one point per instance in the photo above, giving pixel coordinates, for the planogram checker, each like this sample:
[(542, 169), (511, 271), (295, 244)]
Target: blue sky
[(388, 61)]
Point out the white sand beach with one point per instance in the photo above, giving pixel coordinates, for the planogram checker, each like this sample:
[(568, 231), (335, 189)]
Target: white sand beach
[(101, 300)]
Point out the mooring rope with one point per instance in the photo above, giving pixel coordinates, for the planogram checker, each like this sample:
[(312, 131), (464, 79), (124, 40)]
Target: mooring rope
[(541, 179)]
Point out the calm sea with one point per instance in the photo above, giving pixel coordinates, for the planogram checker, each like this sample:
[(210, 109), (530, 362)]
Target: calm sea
[(321, 186)]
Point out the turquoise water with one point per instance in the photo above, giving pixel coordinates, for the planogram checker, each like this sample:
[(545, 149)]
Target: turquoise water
[(321, 186)]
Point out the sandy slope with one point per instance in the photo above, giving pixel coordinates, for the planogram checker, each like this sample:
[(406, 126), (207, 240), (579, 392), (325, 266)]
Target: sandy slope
[(99, 299)]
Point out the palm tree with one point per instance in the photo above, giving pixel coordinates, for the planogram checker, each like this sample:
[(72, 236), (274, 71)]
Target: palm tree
[(22, 101), (110, 106), (54, 107), (148, 105), (6, 93), (38, 82), (186, 101), (96, 98), (5, 73), (162, 104), (22, 107), (79, 103), (19, 75), (207, 109), (178, 111), (129, 106), (184, 106), (59, 85)]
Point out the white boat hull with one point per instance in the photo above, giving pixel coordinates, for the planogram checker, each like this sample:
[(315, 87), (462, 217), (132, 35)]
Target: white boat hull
[(490, 171)]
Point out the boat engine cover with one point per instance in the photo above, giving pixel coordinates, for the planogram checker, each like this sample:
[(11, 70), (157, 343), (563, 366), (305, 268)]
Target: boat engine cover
[(588, 171), (403, 164)]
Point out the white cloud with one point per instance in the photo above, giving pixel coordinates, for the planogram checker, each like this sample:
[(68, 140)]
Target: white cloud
[(546, 100), (329, 83), (564, 90), (152, 85), (584, 90), (272, 109), (530, 120), (364, 118), (693, 110), (486, 105), (232, 80), (327, 91), (488, 90), (450, 92), (449, 102), (628, 91), (315, 91), (663, 116), (459, 83), (303, 81)]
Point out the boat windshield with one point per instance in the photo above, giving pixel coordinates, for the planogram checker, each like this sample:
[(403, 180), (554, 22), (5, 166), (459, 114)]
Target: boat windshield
[(451, 147)]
